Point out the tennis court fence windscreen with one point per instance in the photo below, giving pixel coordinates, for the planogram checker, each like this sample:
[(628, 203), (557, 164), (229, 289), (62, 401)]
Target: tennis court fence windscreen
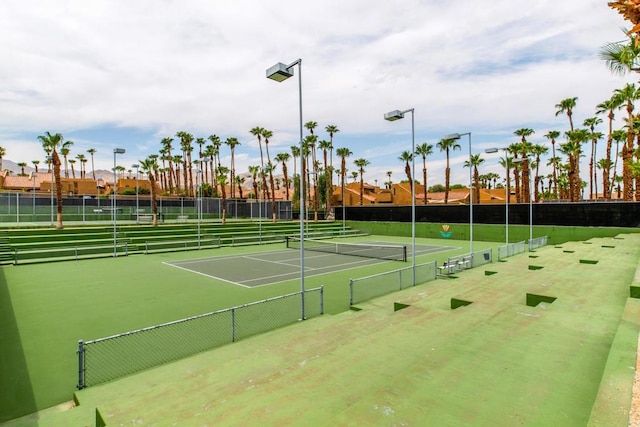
[(366, 288), (367, 250), (113, 357)]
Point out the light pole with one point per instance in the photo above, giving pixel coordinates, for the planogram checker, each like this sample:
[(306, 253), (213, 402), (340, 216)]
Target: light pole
[(260, 208), (506, 190), (280, 72), (50, 161), (522, 160), (458, 136), (393, 116), (136, 167), (116, 151), (199, 189), (33, 177)]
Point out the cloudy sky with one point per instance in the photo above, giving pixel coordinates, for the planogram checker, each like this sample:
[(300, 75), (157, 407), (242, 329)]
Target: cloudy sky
[(122, 73)]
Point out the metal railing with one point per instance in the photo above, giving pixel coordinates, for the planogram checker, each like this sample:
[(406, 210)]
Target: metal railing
[(511, 249), (537, 242), (113, 357)]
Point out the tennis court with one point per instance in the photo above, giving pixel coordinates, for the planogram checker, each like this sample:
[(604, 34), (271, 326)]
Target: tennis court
[(267, 268)]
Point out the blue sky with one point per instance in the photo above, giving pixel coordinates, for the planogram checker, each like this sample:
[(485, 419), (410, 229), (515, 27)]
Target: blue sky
[(126, 74)]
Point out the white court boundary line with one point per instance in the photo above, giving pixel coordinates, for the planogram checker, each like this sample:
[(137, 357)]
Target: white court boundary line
[(255, 257)]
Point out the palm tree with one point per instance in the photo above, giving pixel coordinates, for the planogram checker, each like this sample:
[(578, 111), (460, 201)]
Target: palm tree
[(538, 150), (566, 106), (65, 150), (343, 153), (619, 136), (239, 180), (331, 130), (525, 150), (621, 57), (232, 143), (311, 126), (82, 159), (474, 161), (258, 131), (3, 152), (92, 152), (447, 145), (361, 164), (223, 172), (50, 143), (253, 170), (628, 94), (266, 134), (72, 162), (608, 107), (166, 144), (406, 157), (186, 141), (150, 166), (424, 150), (295, 153), (326, 146), (177, 160), (35, 164), (572, 149), (310, 148), (22, 165), (604, 166), (215, 157), (552, 135), (284, 158), (389, 182)]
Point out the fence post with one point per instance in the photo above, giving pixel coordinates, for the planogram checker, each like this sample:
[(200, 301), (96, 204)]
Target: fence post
[(400, 278), (350, 291), (233, 325), (322, 299), (81, 383)]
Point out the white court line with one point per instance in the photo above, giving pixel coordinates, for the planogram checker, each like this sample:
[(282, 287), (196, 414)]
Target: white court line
[(325, 273), (208, 275)]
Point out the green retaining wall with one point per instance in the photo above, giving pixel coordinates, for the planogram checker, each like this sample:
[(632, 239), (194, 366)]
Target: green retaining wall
[(491, 232)]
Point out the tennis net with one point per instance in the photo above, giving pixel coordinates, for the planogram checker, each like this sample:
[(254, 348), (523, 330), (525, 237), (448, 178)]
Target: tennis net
[(367, 250)]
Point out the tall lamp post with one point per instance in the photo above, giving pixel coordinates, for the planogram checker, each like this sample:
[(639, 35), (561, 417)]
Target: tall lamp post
[(522, 160), (116, 151), (458, 136), (199, 190), (280, 72), (506, 190), (136, 167), (393, 116)]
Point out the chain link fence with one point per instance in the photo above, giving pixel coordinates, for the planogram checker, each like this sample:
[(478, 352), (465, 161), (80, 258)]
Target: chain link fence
[(511, 249), (538, 242), (366, 288), (113, 357)]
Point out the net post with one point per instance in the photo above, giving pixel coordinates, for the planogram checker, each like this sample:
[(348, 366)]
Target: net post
[(322, 299), (286, 241), (350, 291), (233, 325), (81, 367), (404, 253)]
